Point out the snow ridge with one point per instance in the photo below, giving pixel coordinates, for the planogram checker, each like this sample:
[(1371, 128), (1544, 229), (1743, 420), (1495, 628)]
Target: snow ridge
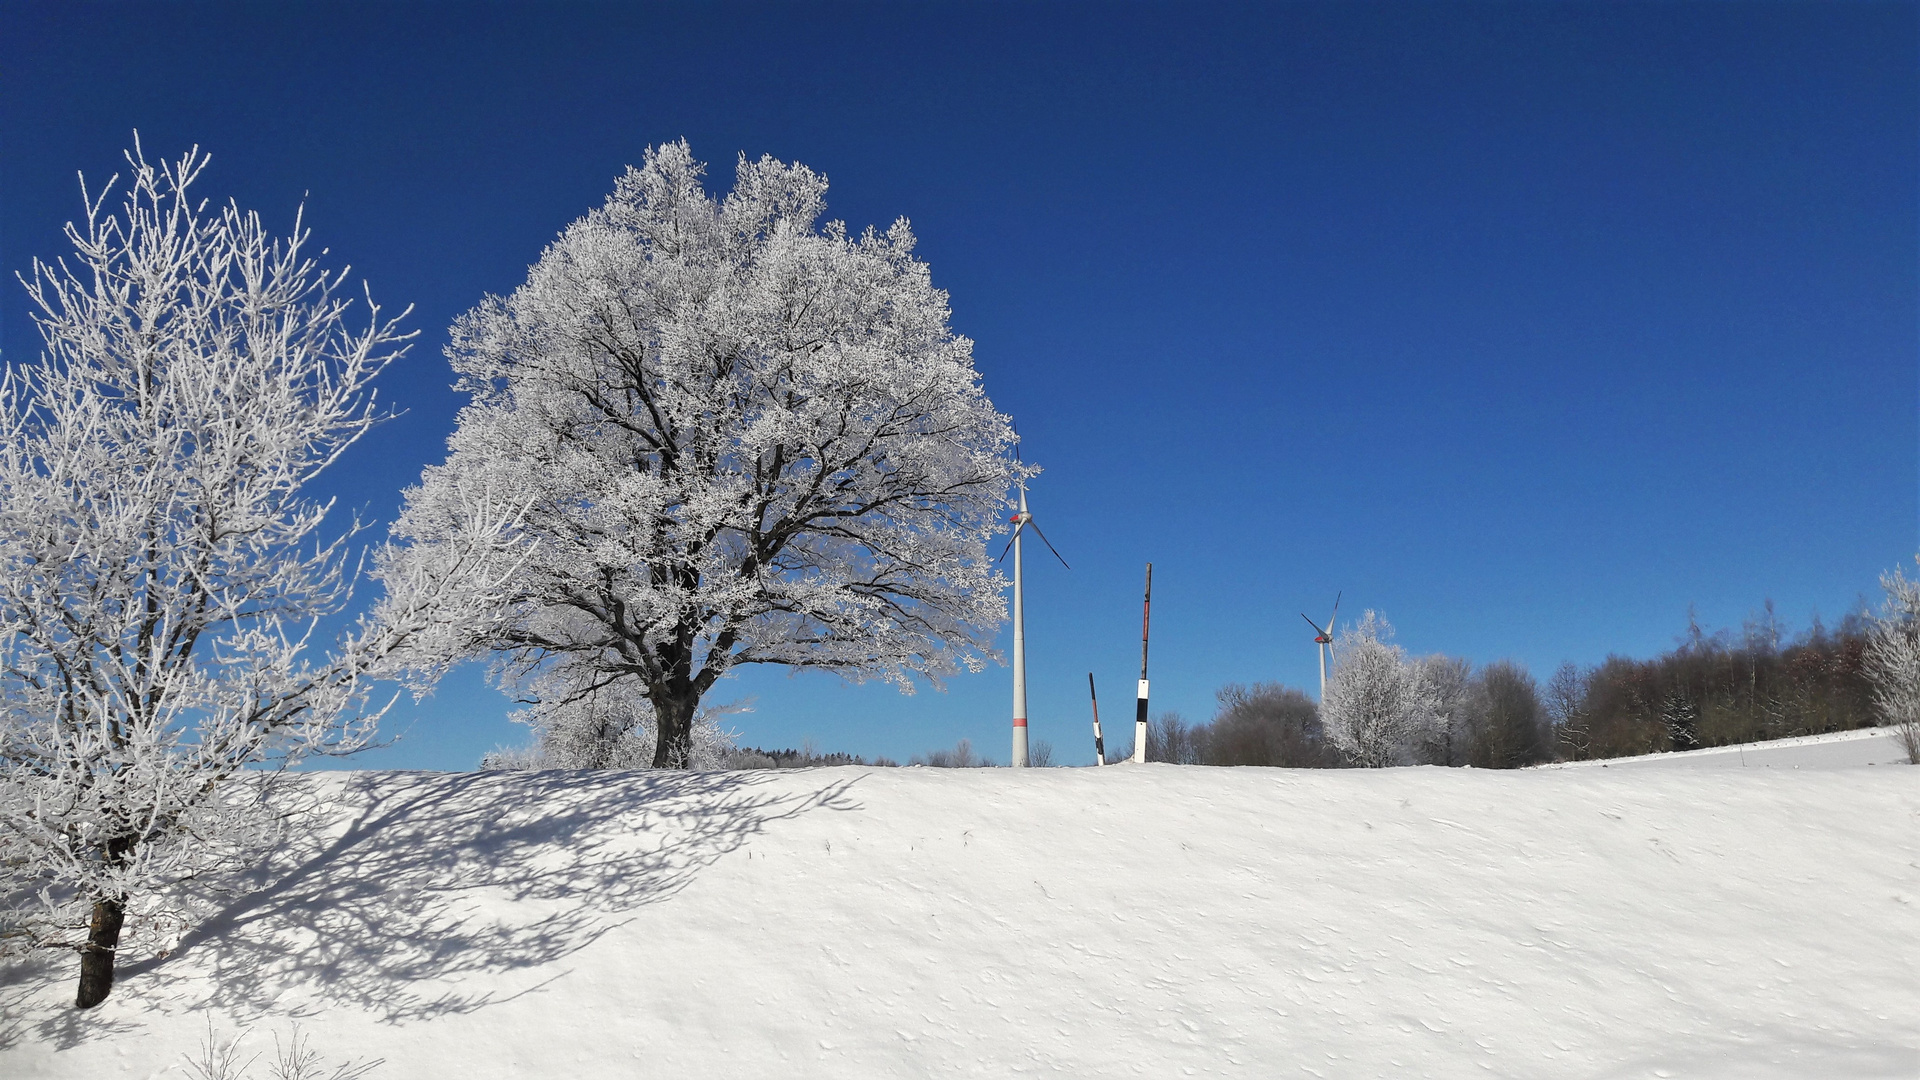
[(1131, 921)]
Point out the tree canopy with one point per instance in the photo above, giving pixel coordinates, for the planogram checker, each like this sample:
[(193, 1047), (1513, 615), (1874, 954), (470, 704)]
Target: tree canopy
[(741, 436)]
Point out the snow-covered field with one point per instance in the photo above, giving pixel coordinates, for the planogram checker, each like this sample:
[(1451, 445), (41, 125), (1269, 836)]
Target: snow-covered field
[(1841, 749), (1151, 921)]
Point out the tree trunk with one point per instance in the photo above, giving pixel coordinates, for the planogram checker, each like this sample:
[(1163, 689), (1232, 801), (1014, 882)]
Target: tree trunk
[(673, 719), (96, 959)]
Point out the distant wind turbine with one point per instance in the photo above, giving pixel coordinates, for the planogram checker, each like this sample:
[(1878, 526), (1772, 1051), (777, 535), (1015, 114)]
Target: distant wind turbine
[(1324, 639), (1021, 521)]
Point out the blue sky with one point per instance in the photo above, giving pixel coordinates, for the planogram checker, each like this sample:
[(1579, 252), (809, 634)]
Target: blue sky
[(1528, 325)]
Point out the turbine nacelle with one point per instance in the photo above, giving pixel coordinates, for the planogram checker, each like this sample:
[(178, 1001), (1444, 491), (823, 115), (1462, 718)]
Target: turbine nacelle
[(1019, 522), (1323, 637)]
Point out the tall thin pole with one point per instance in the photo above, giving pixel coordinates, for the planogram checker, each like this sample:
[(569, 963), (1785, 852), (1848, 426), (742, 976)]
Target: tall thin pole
[(1019, 643), (1323, 673), (1140, 707), (1099, 744)]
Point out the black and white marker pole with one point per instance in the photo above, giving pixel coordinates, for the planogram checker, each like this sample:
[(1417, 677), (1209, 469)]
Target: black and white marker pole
[(1099, 744), (1140, 707)]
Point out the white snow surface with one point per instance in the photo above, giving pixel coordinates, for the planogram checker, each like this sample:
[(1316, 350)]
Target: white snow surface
[(1839, 749), (1149, 921)]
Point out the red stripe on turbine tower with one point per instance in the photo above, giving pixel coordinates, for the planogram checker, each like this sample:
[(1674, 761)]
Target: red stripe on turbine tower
[(1021, 521)]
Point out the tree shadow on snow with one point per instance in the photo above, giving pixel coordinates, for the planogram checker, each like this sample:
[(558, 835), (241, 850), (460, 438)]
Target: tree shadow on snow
[(24, 991), (389, 914)]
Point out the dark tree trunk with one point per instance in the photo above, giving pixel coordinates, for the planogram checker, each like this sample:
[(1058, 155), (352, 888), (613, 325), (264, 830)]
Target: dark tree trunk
[(673, 717), (96, 960)]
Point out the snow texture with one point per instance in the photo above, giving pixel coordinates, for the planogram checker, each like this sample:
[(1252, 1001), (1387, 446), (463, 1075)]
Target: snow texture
[(1148, 921), (1840, 749)]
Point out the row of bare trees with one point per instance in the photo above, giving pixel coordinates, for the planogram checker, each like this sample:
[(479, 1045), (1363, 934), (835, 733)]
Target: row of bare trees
[(1712, 689), (1718, 689), (1491, 718)]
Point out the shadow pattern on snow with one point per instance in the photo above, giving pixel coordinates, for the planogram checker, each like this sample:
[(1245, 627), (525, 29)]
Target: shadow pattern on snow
[(365, 915), (21, 983)]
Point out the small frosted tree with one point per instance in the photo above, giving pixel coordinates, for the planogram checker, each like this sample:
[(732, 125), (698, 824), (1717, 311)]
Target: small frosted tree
[(161, 574), (1448, 737), (608, 729), (1377, 701), (743, 437), (1892, 659)]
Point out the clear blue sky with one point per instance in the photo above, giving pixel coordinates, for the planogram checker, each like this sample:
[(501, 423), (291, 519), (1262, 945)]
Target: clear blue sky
[(1528, 325)]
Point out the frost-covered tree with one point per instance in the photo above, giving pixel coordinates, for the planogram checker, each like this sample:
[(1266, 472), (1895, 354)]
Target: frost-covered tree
[(742, 436), (1377, 700), (1448, 737), (1893, 658), (161, 574)]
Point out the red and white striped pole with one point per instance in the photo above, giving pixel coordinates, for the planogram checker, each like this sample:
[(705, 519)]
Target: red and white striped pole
[(1099, 744), (1140, 707)]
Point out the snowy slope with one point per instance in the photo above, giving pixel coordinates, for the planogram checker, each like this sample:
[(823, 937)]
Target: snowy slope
[(1150, 921), (1837, 750)]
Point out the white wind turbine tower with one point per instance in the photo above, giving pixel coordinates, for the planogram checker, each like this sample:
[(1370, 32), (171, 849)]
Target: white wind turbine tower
[(1324, 639), (1020, 522)]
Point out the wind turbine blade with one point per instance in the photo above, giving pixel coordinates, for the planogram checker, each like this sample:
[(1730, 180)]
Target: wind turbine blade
[(1011, 539), (1049, 543), (1315, 625), (1336, 612)]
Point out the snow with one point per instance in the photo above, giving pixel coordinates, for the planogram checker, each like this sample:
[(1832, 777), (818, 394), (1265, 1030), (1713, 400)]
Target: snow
[(1138, 920), (1836, 750)]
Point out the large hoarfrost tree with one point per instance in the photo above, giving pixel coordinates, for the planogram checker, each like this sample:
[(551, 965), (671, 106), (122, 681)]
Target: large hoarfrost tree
[(1378, 702), (1893, 659), (161, 573), (742, 436)]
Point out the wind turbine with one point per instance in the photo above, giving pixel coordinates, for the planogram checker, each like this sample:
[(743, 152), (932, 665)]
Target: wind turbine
[(1324, 639), (1020, 522)]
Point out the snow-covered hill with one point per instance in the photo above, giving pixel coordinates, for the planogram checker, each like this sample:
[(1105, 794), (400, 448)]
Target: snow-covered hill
[(1839, 749), (1836, 750), (1150, 921)]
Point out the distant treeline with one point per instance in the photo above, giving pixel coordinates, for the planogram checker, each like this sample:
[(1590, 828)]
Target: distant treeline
[(961, 756), (752, 757), (1715, 690), (1709, 690), (1262, 724)]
